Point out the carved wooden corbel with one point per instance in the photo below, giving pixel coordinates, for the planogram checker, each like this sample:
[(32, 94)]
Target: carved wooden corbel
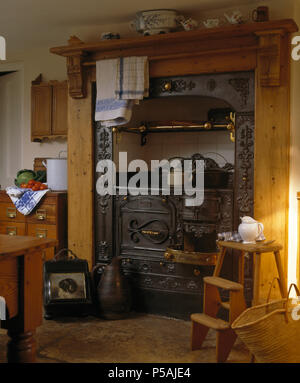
[(269, 57), (75, 75)]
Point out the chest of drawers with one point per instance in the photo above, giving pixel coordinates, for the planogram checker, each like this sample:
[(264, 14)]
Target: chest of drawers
[(47, 220)]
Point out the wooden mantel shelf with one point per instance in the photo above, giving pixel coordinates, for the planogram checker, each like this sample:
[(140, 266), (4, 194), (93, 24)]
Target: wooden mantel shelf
[(263, 37), (121, 46)]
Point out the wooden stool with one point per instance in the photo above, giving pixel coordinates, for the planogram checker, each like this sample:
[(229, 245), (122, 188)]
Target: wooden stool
[(201, 323)]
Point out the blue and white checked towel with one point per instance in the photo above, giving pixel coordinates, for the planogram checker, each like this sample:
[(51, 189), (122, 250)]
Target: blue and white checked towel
[(132, 78), (25, 200), (121, 83)]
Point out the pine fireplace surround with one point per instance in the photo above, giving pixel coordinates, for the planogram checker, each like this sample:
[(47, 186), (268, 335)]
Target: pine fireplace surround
[(261, 47)]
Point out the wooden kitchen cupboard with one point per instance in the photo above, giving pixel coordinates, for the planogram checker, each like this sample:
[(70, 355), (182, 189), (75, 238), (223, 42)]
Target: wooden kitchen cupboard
[(49, 110), (47, 220)]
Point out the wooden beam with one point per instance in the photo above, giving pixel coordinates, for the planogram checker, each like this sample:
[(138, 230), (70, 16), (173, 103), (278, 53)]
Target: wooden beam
[(80, 176), (271, 171)]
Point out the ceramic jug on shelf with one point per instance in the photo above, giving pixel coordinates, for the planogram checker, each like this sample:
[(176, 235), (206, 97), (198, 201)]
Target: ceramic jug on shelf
[(250, 230)]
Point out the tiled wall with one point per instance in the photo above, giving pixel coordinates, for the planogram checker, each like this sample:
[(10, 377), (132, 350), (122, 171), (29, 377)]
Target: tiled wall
[(184, 144)]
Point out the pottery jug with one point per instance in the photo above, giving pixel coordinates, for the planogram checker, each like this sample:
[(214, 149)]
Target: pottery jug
[(113, 292), (250, 230)]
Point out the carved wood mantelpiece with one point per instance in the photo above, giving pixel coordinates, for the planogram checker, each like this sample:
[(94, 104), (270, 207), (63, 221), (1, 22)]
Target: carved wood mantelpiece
[(263, 39)]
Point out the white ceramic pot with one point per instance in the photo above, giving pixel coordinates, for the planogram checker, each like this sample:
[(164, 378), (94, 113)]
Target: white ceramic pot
[(250, 230), (57, 173), (155, 21)]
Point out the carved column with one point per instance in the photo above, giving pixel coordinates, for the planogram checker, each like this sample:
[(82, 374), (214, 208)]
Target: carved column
[(104, 235), (75, 75)]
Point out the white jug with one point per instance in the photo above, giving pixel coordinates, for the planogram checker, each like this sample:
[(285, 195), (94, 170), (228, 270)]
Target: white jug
[(251, 230)]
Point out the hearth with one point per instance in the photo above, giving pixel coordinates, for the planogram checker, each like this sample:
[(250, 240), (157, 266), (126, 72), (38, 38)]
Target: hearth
[(140, 228)]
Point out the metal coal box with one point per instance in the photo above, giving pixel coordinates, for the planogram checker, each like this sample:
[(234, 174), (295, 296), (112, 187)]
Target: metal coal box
[(67, 287)]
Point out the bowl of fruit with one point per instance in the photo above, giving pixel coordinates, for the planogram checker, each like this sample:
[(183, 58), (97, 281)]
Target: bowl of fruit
[(34, 185)]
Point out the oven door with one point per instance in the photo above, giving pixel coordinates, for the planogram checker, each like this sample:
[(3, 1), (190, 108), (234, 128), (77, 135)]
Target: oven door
[(144, 224)]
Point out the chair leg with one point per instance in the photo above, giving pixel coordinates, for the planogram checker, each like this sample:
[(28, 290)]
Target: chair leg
[(224, 343)]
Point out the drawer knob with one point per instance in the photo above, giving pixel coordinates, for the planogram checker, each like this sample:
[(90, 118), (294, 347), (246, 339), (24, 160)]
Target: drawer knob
[(41, 214), (41, 233), (11, 230), (11, 212)]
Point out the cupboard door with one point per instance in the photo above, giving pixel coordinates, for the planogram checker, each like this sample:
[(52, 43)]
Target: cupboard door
[(60, 108), (41, 104)]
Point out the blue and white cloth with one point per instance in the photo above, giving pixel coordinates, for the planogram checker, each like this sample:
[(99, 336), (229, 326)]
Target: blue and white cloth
[(121, 83), (132, 78), (25, 200)]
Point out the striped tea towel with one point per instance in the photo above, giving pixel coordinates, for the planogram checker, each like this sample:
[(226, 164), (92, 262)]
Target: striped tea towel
[(132, 78), (25, 200), (109, 110)]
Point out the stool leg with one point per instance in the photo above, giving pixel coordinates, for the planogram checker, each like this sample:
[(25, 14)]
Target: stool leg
[(211, 306), (283, 285), (226, 339), (237, 304), (241, 267), (224, 343), (219, 264), (199, 333), (256, 279)]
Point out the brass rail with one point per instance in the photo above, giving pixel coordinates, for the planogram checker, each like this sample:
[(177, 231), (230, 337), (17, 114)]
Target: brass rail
[(150, 127)]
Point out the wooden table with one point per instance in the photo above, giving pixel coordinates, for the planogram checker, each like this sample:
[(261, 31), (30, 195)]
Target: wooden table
[(21, 284), (257, 249)]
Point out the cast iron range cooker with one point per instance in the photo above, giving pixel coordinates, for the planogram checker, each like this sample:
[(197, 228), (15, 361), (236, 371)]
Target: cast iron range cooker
[(140, 228)]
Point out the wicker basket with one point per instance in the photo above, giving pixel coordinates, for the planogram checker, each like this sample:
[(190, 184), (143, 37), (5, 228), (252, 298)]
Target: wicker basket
[(270, 332)]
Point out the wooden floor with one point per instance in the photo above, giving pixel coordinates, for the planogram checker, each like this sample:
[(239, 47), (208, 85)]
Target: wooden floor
[(140, 338)]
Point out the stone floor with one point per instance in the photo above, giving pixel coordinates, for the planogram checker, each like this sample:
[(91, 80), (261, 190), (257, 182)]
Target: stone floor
[(139, 338)]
